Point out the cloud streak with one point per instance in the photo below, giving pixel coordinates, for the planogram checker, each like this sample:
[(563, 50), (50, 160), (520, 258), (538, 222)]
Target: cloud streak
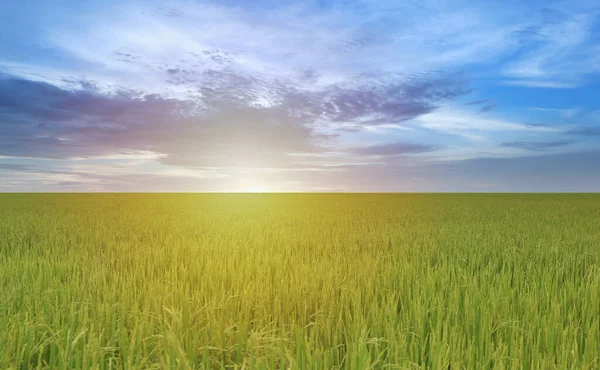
[(393, 149), (538, 146)]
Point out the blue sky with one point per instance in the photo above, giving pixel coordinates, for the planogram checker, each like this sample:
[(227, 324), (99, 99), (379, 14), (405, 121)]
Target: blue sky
[(299, 96)]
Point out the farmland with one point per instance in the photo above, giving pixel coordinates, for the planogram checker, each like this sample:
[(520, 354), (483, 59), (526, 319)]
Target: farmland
[(299, 281)]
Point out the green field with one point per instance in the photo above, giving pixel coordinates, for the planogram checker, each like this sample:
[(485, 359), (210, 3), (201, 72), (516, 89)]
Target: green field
[(299, 281)]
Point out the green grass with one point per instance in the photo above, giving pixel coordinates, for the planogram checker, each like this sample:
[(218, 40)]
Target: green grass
[(114, 281)]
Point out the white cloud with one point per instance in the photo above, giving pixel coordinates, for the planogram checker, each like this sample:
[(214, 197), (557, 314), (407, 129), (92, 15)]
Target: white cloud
[(559, 52), (462, 122), (566, 113), (135, 44), (542, 84)]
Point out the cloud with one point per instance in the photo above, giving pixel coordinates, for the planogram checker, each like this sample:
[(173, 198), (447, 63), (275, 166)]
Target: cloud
[(566, 113), (335, 40), (316, 46), (537, 146), (14, 167), (377, 99), (585, 131), (542, 84), (485, 105), (393, 149), (226, 127), (477, 102), (457, 121), (559, 51), (487, 108), (571, 172), (42, 120), (578, 171)]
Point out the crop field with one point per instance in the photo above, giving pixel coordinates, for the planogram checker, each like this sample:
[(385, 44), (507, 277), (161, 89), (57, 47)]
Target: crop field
[(299, 281)]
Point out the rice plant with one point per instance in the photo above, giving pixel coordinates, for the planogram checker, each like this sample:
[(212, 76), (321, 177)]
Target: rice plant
[(299, 281)]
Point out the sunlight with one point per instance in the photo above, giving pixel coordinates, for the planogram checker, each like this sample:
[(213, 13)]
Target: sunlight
[(256, 188)]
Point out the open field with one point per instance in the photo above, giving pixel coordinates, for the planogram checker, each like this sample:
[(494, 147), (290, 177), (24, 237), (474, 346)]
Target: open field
[(325, 281)]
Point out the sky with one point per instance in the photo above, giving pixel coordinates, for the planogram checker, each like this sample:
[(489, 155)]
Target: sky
[(281, 96)]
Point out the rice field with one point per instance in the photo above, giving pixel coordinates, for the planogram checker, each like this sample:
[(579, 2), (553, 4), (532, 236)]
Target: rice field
[(300, 281)]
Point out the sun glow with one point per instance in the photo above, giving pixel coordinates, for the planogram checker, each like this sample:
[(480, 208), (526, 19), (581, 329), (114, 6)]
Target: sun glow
[(256, 188), (254, 184)]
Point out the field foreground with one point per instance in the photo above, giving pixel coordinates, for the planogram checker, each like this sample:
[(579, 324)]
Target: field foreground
[(299, 281)]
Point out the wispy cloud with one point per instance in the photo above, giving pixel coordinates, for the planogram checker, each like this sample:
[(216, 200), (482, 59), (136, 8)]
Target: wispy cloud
[(585, 130), (537, 146), (461, 122), (560, 51), (566, 112), (225, 127), (392, 149)]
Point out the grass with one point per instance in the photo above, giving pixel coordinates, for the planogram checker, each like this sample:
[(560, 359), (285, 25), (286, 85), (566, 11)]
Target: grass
[(313, 281)]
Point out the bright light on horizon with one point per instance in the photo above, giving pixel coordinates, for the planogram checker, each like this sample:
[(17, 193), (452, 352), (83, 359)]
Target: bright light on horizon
[(256, 188)]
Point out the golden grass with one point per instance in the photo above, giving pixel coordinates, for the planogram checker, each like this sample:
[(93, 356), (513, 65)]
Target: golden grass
[(299, 281)]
